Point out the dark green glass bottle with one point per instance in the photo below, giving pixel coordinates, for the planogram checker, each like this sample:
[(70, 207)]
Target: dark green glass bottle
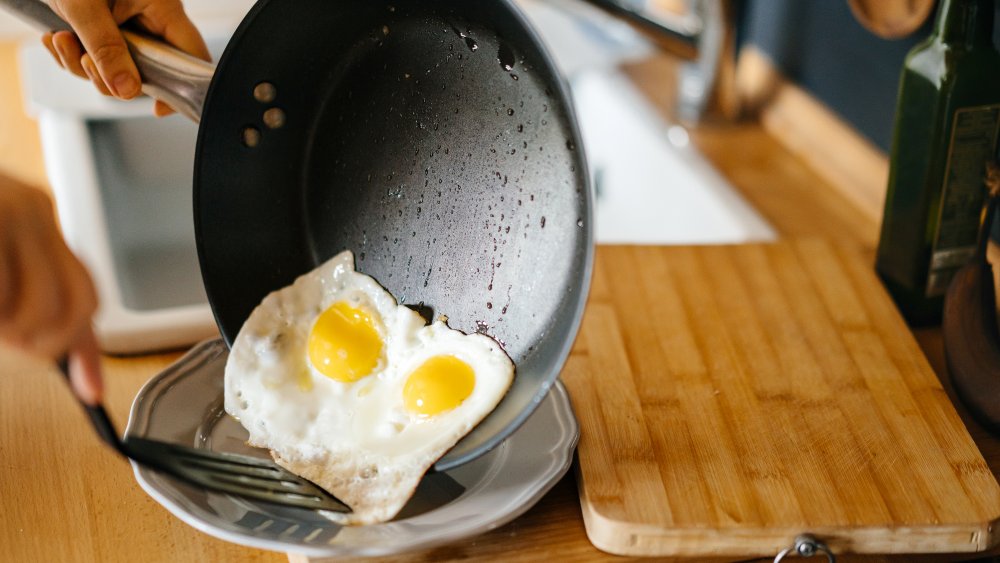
[(947, 119)]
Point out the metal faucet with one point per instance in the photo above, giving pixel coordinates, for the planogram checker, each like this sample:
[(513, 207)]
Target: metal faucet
[(703, 34)]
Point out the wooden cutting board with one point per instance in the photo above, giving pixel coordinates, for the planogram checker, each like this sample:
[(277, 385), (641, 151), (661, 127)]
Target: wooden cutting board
[(733, 397)]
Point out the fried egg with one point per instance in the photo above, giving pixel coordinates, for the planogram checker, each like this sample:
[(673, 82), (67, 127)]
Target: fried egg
[(356, 392)]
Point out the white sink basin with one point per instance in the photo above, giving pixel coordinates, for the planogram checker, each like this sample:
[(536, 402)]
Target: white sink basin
[(652, 187)]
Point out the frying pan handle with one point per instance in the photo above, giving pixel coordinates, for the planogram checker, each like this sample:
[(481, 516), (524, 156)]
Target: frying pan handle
[(167, 73), (171, 75)]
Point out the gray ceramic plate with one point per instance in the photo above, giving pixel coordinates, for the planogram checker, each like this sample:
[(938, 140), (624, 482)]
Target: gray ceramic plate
[(184, 405)]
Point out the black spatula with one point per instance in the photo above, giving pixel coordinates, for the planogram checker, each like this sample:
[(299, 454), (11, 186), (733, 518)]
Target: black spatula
[(238, 475)]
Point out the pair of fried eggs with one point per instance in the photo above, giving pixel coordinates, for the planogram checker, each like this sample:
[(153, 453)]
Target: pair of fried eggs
[(356, 392)]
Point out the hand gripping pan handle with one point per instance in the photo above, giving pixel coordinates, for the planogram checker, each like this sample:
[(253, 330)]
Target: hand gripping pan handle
[(168, 74)]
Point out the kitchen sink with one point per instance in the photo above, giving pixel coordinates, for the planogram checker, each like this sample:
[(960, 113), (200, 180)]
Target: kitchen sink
[(651, 185), (122, 179)]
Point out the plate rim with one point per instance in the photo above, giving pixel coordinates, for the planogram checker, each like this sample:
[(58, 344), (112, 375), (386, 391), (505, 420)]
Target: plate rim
[(561, 449)]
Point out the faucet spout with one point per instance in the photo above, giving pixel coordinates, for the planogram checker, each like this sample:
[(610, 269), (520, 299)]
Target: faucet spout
[(703, 34), (677, 33)]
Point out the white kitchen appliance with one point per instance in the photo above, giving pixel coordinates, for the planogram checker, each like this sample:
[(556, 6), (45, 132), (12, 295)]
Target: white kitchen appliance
[(122, 181)]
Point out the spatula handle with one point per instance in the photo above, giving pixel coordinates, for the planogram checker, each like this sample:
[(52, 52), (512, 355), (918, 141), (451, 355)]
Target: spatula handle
[(167, 73), (98, 416)]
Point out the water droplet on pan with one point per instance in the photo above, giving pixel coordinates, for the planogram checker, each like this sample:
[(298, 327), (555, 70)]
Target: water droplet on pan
[(506, 58)]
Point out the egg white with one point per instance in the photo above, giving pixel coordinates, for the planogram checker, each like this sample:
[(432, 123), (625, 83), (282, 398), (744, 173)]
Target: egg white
[(356, 440)]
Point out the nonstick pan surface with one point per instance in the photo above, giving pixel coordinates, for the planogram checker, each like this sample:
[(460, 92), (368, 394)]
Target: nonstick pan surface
[(435, 140)]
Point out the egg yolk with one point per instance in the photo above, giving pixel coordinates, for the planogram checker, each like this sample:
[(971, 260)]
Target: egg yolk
[(439, 385), (344, 344)]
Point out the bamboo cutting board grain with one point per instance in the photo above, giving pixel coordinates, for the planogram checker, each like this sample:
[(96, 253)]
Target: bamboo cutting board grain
[(733, 397)]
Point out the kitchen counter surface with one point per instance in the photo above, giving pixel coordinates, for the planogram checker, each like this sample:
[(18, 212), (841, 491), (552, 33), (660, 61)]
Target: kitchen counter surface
[(65, 497)]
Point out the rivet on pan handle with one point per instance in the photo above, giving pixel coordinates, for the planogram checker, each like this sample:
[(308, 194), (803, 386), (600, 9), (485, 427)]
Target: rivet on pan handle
[(167, 74), (806, 546)]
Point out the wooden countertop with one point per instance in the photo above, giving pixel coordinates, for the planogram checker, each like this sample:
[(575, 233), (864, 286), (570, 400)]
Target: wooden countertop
[(64, 497)]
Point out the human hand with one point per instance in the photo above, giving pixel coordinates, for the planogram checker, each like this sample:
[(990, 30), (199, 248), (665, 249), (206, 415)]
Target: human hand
[(46, 295), (97, 50)]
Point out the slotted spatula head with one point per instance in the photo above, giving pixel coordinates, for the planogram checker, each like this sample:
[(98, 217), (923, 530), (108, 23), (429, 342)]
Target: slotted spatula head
[(239, 475)]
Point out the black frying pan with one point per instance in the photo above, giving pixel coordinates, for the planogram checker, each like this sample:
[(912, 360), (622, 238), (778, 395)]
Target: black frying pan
[(433, 138)]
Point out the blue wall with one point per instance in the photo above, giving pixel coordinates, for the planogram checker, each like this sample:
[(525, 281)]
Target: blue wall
[(819, 45)]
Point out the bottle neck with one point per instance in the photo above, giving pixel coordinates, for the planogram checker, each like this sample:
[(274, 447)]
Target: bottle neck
[(965, 22)]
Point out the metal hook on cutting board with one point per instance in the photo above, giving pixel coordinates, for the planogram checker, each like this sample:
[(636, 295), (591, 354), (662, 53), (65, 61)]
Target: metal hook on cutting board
[(806, 546)]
